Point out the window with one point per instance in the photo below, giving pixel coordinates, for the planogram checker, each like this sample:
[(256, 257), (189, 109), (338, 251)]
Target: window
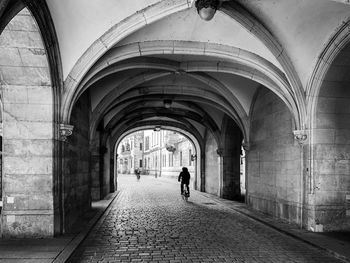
[(171, 159), (140, 165), (181, 158), (189, 157), (147, 143), (140, 146)]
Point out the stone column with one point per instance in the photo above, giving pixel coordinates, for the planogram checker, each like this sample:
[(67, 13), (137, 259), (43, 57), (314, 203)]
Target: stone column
[(220, 171), (302, 138)]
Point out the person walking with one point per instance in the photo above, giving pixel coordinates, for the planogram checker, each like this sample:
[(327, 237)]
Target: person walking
[(184, 177)]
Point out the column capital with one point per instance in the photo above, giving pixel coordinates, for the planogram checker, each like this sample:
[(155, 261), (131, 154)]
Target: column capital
[(65, 131), (301, 136), (220, 152), (246, 146)]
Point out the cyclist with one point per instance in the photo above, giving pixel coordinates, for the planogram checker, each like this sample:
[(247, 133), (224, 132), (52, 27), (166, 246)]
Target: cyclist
[(184, 177)]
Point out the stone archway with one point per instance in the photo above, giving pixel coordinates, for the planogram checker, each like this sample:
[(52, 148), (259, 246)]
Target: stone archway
[(28, 127), (193, 139)]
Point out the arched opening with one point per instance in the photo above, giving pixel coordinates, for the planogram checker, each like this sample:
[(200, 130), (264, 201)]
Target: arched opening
[(158, 152), (274, 179), (329, 155)]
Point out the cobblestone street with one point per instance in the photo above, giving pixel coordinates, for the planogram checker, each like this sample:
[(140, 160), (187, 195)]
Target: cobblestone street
[(149, 222)]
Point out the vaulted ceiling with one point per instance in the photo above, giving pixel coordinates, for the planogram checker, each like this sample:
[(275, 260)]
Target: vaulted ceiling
[(133, 55)]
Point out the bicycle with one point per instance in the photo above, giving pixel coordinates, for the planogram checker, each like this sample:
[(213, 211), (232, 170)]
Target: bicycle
[(185, 194)]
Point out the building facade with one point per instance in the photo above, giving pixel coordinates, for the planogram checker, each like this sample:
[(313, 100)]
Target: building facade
[(156, 153)]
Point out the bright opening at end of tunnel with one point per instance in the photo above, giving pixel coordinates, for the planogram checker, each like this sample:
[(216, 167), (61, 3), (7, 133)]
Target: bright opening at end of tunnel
[(155, 153), (162, 154)]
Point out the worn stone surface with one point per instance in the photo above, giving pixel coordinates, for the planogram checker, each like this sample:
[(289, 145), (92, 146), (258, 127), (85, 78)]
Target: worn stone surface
[(211, 165), (27, 131), (151, 223), (77, 184), (331, 149), (273, 160)]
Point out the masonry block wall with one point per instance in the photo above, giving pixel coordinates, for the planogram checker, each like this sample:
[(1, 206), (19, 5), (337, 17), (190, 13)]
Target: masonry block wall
[(212, 176), (274, 160), (27, 98), (77, 185), (331, 148)]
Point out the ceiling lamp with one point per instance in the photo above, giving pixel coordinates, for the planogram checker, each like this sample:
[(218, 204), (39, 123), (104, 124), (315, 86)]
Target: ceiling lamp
[(206, 8)]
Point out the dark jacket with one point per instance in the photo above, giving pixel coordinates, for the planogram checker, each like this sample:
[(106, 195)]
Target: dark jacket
[(184, 176)]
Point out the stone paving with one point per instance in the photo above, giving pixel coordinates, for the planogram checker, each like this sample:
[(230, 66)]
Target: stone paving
[(150, 222)]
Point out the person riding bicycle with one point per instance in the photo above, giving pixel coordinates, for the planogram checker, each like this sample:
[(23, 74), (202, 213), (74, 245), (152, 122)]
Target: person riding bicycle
[(184, 177)]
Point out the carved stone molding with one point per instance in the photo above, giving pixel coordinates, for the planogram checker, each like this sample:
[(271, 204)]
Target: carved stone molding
[(220, 152), (65, 131), (301, 136), (246, 146)]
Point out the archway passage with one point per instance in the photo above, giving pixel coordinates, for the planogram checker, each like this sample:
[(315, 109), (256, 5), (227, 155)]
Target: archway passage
[(158, 153), (205, 90)]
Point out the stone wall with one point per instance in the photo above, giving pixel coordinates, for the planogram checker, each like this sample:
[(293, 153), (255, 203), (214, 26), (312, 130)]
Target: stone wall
[(274, 165), (77, 184), (27, 131), (212, 176), (331, 149)]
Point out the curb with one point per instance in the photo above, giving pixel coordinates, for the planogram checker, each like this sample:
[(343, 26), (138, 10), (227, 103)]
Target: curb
[(65, 254)]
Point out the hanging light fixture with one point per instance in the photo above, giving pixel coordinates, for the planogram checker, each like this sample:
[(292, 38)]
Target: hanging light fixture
[(207, 8)]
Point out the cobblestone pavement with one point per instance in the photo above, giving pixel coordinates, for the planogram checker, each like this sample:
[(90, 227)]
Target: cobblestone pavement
[(149, 222)]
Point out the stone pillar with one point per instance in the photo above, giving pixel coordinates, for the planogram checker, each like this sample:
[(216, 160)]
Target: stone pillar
[(220, 172), (95, 168), (302, 138), (28, 114)]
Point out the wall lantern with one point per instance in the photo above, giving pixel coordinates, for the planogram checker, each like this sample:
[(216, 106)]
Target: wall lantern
[(207, 8)]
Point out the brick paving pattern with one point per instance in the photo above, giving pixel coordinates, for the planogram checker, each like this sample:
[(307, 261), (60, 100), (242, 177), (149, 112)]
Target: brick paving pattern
[(150, 222)]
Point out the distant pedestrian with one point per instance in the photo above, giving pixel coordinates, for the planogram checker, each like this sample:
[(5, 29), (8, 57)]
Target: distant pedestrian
[(184, 177), (138, 172)]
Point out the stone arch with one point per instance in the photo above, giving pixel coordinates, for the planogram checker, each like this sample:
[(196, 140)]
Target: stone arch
[(334, 46), (194, 139), (244, 63), (28, 123), (249, 22), (274, 173), (328, 105), (151, 14)]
